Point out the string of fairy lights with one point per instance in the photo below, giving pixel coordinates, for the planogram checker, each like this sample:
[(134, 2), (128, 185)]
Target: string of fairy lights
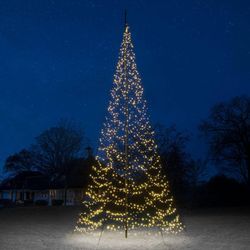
[(146, 196)]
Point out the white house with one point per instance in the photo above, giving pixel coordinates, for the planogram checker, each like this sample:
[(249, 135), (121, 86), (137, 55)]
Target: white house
[(30, 187)]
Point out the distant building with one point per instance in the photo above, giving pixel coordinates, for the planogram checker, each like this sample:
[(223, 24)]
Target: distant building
[(32, 186)]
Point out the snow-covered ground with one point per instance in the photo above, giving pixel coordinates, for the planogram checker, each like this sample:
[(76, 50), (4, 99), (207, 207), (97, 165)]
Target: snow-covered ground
[(52, 228)]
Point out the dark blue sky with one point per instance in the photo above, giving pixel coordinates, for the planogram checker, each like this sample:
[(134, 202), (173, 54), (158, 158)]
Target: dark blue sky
[(58, 58)]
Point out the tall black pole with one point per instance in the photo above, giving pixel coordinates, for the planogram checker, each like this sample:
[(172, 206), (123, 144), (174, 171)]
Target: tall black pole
[(126, 133), (125, 17)]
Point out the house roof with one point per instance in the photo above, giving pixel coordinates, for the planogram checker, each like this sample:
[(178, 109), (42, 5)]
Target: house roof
[(19, 181), (37, 181)]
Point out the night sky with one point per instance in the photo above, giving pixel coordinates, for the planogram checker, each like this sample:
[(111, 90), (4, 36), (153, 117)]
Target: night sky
[(58, 59)]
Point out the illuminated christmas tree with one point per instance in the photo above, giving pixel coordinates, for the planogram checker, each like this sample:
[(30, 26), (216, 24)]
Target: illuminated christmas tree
[(128, 189)]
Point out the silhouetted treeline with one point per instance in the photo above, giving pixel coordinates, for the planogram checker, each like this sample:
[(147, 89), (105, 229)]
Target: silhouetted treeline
[(227, 133), (60, 153)]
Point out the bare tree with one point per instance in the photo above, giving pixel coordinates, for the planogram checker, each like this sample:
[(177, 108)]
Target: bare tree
[(175, 160), (56, 148), (228, 131), (21, 161), (197, 171)]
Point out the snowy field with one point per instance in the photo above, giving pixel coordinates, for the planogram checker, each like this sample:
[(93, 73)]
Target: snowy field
[(52, 228)]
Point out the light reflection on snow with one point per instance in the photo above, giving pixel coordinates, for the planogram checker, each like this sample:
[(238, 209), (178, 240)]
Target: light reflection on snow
[(116, 240)]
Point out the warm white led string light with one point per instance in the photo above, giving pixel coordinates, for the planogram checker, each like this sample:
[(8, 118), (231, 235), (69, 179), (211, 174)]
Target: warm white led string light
[(146, 194)]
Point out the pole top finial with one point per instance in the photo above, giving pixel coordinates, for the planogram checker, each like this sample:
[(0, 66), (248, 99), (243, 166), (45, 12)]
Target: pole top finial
[(125, 18)]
